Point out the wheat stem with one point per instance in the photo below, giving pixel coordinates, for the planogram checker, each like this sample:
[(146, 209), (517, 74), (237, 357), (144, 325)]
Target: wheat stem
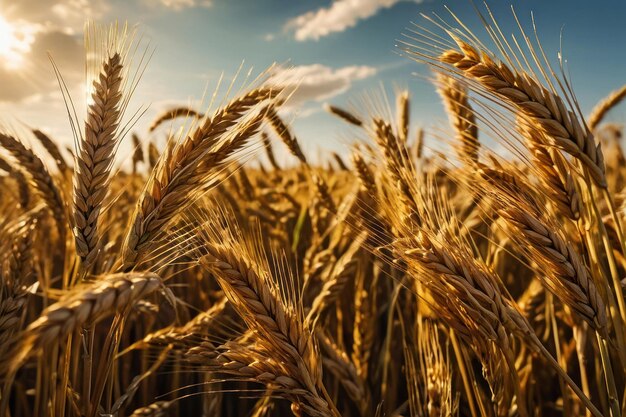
[(608, 376)]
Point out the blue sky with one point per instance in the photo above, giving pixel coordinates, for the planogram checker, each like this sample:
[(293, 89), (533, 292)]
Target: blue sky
[(346, 48)]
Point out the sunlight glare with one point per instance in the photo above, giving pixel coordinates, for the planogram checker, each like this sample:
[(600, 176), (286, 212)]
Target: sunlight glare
[(14, 43)]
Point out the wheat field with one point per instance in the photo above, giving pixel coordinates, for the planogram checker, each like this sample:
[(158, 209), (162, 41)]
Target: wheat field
[(420, 273)]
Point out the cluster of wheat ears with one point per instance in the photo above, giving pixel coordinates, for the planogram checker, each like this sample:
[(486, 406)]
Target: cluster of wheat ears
[(207, 281)]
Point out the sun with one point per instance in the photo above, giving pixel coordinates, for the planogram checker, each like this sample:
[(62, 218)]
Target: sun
[(14, 43)]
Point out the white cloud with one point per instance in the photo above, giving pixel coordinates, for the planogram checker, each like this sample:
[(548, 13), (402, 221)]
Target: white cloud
[(339, 16), (185, 4), (317, 82)]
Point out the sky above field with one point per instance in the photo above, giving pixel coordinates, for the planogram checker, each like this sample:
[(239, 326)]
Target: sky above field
[(336, 51)]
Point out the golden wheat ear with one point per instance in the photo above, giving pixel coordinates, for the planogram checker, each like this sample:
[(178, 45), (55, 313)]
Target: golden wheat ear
[(508, 79), (53, 150), (20, 179), (343, 114), (85, 305), (604, 106), (461, 115), (40, 179), (138, 154), (429, 375), (267, 299), (173, 113), (191, 165), (110, 83), (403, 110)]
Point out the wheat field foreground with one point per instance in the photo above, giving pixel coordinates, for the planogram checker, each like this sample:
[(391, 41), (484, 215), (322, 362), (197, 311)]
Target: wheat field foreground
[(420, 273)]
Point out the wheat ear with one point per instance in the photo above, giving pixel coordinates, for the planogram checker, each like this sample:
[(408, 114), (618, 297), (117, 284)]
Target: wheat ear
[(53, 149), (284, 133), (339, 364), (95, 157), (553, 171), (251, 294), (566, 276), (344, 115), (604, 106), (403, 109), (456, 100), (15, 270), (541, 106), (269, 151), (138, 155), (157, 409), (178, 177), (341, 272), (260, 366), (153, 154), (39, 177), (85, 304), (20, 179), (173, 114)]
